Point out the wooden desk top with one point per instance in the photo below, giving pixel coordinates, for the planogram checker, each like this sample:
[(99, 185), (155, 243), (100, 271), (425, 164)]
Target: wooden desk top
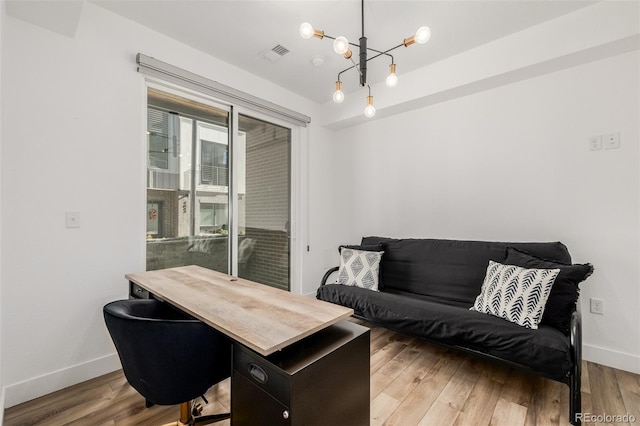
[(263, 318)]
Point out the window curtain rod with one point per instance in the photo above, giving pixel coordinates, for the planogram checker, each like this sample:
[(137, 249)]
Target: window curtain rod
[(153, 67)]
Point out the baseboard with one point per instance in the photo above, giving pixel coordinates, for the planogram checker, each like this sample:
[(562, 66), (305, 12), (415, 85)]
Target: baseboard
[(27, 390), (610, 358), (1, 405)]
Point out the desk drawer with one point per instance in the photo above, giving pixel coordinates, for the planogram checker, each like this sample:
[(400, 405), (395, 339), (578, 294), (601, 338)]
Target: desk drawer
[(261, 373)]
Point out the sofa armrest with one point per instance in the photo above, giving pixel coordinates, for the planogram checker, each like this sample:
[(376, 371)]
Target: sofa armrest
[(328, 274)]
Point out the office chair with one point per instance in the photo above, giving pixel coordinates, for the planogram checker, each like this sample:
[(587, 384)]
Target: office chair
[(168, 356)]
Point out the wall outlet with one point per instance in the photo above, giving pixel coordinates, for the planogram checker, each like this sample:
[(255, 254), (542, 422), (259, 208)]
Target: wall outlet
[(595, 143), (597, 306), (611, 140), (72, 219)]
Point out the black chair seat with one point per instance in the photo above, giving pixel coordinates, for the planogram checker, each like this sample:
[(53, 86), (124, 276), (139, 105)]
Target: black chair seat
[(168, 356)]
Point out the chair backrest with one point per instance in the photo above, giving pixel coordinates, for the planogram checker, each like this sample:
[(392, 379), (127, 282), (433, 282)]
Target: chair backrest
[(167, 356)]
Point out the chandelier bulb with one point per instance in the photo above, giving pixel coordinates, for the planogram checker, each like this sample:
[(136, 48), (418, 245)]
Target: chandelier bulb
[(341, 45), (338, 95), (423, 35), (369, 110), (392, 78), (307, 31)]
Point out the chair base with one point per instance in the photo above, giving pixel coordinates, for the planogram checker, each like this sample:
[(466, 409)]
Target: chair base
[(188, 419)]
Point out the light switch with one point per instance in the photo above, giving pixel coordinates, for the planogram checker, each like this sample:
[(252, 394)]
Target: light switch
[(72, 219)]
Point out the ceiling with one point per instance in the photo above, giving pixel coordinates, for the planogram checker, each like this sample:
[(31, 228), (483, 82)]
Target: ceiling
[(241, 32)]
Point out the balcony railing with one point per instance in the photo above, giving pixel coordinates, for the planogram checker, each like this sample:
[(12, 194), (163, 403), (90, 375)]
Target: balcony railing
[(214, 175), (209, 175), (162, 179)]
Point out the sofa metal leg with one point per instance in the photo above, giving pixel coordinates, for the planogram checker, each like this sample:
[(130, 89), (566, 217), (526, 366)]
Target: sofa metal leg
[(575, 400), (575, 379)]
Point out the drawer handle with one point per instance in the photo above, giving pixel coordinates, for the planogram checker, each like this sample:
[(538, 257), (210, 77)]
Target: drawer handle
[(258, 374)]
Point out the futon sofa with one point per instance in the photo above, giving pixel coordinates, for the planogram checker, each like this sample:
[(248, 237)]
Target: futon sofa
[(514, 302)]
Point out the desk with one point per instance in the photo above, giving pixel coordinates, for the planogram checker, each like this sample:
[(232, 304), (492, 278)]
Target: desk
[(295, 361), (263, 318)]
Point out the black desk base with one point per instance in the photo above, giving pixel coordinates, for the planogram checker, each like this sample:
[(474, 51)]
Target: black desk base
[(321, 380)]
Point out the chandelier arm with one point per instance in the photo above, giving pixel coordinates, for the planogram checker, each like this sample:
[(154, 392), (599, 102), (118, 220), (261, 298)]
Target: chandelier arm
[(393, 48), (380, 54), (350, 68), (333, 38), (368, 48), (386, 52), (356, 66), (377, 51), (345, 70)]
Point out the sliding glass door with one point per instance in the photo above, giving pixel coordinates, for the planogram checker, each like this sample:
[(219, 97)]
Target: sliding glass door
[(210, 195), (264, 201), (187, 183)]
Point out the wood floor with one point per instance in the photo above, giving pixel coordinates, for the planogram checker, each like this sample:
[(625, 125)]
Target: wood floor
[(412, 383)]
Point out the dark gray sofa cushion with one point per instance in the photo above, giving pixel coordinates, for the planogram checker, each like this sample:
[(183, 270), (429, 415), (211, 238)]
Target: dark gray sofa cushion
[(449, 270), (545, 350)]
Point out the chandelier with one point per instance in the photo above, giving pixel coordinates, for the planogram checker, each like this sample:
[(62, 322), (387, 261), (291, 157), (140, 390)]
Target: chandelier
[(342, 47)]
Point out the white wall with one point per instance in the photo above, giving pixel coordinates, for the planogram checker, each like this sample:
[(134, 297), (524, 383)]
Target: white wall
[(73, 140), (324, 216), (512, 164)]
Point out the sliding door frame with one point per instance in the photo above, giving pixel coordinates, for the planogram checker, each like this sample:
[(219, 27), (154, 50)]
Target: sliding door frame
[(298, 180)]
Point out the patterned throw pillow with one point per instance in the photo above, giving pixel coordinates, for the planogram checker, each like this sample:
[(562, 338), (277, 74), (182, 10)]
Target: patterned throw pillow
[(565, 291), (515, 294), (359, 268)]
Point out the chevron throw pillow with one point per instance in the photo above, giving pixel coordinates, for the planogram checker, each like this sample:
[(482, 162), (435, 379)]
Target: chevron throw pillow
[(516, 294), (359, 268)]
